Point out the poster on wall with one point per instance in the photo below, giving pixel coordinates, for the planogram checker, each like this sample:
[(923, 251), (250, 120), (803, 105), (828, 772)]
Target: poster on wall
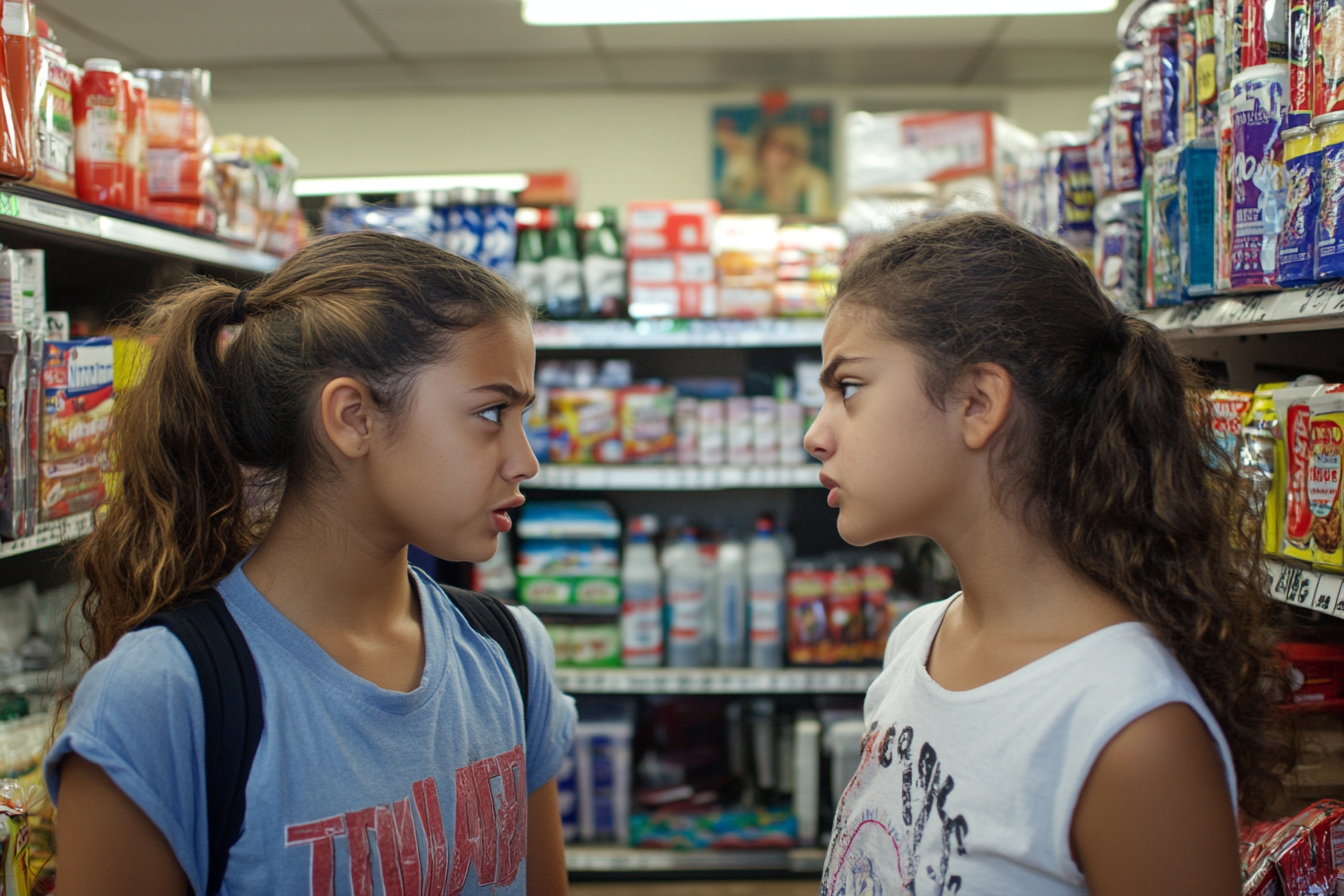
[(774, 158)]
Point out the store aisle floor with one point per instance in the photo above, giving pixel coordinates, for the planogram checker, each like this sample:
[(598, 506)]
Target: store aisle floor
[(698, 888)]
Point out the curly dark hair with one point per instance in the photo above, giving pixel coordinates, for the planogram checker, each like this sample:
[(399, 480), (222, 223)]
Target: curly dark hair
[(1109, 456)]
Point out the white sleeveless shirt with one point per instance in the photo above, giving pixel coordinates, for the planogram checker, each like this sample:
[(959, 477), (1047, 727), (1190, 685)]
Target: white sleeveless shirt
[(973, 792)]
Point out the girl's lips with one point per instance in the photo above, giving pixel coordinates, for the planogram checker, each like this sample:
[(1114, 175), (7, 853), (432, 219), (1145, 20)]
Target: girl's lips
[(833, 499), (502, 521)]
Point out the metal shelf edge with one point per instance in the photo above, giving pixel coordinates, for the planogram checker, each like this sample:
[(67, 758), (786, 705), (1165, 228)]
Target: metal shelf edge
[(1318, 307), (89, 224), (1302, 586), (854, 680), (671, 334), (50, 534), (672, 477), (618, 859)]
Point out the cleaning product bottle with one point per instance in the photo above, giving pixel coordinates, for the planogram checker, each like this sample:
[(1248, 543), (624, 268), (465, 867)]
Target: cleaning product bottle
[(766, 569), (685, 602), (641, 600), (731, 582)]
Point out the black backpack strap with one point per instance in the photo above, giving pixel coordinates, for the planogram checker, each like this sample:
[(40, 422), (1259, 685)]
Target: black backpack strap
[(231, 698), (491, 618)]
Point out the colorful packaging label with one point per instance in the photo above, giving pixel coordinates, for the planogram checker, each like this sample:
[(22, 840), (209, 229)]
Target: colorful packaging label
[(808, 631), (1330, 220), (1300, 51), (1161, 122), (1297, 518), (1164, 229), (1323, 481), (1297, 244), (1259, 190), (55, 117), (499, 238), (1126, 148), (1330, 51), (1226, 410), (583, 421), (646, 423), (76, 417), (1197, 175)]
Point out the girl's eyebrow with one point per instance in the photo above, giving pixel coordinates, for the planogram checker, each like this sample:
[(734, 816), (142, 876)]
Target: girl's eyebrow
[(508, 391), (827, 378)]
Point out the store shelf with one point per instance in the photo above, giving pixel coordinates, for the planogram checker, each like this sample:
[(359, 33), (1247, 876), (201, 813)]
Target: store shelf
[(672, 478), (89, 224), (593, 334), (575, 609), (717, 681), (623, 860), (1317, 308), (1301, 586), (50, 534)]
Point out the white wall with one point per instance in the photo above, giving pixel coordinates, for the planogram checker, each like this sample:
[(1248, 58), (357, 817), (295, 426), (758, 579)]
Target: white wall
[(621, 145)]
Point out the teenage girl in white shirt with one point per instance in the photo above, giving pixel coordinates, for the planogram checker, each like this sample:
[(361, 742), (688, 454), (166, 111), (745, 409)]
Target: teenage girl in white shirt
[(1087, 713)]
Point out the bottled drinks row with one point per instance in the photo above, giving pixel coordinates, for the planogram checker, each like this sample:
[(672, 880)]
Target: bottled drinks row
[(707, 596), (586, 413), (707, 772), (137, 141), (675, 259)]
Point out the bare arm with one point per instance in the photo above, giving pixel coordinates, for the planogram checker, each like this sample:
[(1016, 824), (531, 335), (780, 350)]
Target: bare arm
[(1154, 816), (107, 845), (546, 874)]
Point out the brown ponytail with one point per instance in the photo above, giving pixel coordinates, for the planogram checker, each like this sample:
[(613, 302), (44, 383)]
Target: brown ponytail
[(209, 435), (1110, 455)]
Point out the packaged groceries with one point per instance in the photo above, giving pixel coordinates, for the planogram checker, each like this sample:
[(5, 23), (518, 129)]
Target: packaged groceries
[(77, 400)]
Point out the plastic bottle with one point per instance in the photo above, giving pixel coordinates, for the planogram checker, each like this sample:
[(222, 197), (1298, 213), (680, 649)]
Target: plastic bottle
[(604, 268), (685, 602), (100, 112), (709, 610), (731, 581), (564, 272), (529, 273), (766, 568), (499, 237), (641, 601)]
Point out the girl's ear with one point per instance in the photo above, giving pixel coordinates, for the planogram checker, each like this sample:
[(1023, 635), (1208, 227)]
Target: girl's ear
[(987, 396), (346, 407)]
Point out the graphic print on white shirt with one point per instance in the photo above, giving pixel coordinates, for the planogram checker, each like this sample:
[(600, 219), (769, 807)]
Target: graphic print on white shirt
[(877, 847)]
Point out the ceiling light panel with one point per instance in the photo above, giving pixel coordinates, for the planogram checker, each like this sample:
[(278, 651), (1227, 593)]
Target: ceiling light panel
[(648, 12)]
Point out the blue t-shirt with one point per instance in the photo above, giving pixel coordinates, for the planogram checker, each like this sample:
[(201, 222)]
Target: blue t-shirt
[(354, 790)]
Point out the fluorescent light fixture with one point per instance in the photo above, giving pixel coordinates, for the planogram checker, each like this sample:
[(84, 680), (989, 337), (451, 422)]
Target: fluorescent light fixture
[(407, 183), (647, 12)]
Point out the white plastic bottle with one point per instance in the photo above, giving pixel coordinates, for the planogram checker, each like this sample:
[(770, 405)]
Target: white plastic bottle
[(731, 588), (685, 602), (766, 569), (709, 610), (641, 601)]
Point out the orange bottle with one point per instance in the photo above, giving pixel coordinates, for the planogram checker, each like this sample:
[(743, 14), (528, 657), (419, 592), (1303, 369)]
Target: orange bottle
[(100, 115)]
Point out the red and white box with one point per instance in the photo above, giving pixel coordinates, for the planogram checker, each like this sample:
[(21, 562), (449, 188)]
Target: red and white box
[(678, 226)]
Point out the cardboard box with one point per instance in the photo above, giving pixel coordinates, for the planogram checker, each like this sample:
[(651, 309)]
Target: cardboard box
[(670, 226)]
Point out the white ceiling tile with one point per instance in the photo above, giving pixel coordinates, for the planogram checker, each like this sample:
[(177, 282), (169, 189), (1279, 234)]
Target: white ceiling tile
[(206, 33), (800, 35), (433, 28), (1097, 29)]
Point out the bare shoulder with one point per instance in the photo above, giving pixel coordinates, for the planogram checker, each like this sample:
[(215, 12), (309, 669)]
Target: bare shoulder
[(1154, 815)]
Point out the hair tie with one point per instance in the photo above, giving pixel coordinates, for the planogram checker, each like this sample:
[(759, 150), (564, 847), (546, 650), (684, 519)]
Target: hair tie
[(237, 317)]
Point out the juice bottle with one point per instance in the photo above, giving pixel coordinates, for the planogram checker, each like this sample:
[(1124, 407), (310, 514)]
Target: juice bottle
[(100, 113)]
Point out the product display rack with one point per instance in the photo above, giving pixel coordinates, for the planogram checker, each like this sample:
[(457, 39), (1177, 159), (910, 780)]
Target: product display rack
[(1295, 310), (717, 681), (39, 215), (48, 535), (663, 477), (672, 334), (602, 861)]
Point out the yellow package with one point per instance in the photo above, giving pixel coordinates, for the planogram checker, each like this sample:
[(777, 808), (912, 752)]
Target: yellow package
[(1323, 480), (1260, 462), (584, 427), (14, 830)]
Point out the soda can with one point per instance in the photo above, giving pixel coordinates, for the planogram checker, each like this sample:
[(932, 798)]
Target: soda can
[(465, 224), (1297, 243), (1330, 219), (1300, 52), (499, 228), (1259, 191), (1264, 33)]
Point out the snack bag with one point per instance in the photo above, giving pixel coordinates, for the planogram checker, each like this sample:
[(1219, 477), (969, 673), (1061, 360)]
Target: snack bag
[(646, 415), (1226, 410), (584, 427), (1261, 462), (14, 830), (844, 617), (1323, 480), (877, 582), (808, 633), (77, 398)]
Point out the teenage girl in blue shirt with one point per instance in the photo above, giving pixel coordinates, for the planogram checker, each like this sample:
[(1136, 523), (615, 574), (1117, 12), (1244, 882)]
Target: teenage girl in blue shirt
[(370, 398)]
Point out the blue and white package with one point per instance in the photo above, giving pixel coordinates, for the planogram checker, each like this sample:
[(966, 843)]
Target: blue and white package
[(567, 789), (1330, 218), (1297, 242), (499, 240), (466, 227), (1118, 250), (1166, 286), (1197, 173), (589, 520)]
